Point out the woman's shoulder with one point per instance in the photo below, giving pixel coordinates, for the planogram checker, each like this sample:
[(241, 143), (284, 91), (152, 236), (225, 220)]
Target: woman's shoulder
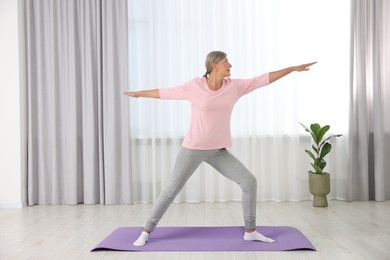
[(198, 82), (191, 82)]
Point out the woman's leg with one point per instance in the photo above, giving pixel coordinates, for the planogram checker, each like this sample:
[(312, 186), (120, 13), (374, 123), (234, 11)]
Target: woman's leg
[(229, 166), (187, 162)]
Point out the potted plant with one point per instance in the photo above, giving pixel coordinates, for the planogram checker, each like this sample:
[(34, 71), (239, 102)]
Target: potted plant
[(319, 181)]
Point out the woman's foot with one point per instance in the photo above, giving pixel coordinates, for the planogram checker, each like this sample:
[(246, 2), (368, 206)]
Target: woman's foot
[(256, 236), (142, 239)]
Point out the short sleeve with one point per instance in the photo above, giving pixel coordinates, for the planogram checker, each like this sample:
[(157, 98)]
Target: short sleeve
[(246, 86)]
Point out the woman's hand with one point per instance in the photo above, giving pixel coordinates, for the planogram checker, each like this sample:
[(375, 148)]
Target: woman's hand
[(131, 94), (275, 75), (304, 67), (153, 93)]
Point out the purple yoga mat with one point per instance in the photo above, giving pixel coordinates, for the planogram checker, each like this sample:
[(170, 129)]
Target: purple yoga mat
[(205, 239)]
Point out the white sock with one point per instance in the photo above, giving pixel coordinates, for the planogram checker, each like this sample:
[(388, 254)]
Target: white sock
[(143, 238), (256, 236)]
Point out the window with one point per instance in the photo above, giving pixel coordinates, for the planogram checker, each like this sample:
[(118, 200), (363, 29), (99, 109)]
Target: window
[(169, 39)]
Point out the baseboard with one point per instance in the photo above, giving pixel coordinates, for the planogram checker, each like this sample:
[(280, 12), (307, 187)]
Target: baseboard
[(10, 205)]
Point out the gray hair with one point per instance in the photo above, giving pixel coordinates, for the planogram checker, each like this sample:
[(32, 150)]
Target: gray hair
[(213, 57)]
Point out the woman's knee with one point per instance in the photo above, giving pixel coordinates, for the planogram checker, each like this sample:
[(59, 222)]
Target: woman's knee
[(250, 183), (171, 190)]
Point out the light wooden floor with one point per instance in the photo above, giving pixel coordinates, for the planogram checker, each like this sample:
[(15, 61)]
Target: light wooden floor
[(355, 230)]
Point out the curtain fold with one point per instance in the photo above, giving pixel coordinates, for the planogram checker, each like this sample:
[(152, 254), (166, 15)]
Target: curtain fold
[(76, 58), (116, 140), (369, 177)]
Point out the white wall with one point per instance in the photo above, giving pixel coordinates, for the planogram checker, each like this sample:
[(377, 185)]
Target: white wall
[(10, 181)]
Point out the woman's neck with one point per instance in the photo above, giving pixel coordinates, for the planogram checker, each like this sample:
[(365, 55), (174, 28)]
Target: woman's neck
[(214, 82)]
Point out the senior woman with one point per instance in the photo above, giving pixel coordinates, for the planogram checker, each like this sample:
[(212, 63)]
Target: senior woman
[(212, 97)]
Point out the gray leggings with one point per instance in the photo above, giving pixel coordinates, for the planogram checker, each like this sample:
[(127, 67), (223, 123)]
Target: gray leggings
[(223, 161)]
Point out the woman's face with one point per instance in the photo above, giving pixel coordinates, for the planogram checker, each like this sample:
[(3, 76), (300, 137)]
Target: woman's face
[(223, 67)]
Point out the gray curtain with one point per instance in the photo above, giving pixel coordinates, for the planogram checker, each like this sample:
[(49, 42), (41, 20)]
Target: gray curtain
[(77, 140), (369, 176)]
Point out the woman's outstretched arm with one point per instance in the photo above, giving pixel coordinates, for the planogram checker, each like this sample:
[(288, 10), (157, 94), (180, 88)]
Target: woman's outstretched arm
[(275, 75), (153, 93)]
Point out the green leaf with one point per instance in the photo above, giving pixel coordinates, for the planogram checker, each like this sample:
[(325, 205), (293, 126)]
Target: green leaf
[(317, 161), (305, 127), (325, 150), (315, 128), (322, 164), (310, 154), (322, 132), (316, 168), (327, 139)]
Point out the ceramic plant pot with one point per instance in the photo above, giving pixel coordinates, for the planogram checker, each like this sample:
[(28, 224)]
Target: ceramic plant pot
[(319, 185)]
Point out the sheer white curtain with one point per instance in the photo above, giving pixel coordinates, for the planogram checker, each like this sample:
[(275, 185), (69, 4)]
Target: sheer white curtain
[(168, 42)]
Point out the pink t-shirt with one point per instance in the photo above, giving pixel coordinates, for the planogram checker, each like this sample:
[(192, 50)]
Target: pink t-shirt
[(211, 110)]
